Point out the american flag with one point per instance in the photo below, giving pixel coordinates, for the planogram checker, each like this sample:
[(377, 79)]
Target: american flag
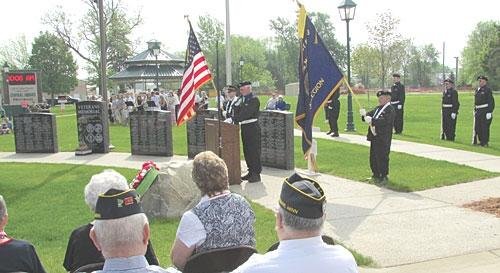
[(195, 75)]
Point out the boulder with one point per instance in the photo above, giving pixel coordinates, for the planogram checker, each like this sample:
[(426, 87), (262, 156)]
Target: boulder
[(173, 193)]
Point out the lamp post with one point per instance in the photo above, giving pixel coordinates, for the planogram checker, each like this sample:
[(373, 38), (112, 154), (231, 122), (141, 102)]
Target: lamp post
[(5, 70), (242, 62), (347, 9), (154, 49)]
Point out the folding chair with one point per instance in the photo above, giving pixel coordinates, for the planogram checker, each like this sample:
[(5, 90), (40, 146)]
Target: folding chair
[(219, 260), (88, 268)]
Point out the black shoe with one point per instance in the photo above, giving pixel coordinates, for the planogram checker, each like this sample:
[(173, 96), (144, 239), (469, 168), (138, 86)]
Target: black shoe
[(383, 181), (334, 135), (254, 178), (246, 176), (329, 132)]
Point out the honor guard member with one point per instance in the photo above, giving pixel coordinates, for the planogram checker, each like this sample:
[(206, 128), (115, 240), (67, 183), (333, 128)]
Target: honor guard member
[(333, 108), (398, 102), (380, 121), (229, 103), (246, 113), (449, 111), (484, 104)]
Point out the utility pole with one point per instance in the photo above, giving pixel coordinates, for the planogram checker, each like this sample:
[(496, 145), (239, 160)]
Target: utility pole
[(228, 46)]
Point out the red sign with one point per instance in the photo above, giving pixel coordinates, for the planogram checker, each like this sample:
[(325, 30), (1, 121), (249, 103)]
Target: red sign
[(21, 78)]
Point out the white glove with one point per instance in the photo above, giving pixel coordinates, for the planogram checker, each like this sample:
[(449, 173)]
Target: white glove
[(224, 113), (488, 116), (228, 120), (453, 115), (368, 119), (329, 107), (362, 112), (400, 106)]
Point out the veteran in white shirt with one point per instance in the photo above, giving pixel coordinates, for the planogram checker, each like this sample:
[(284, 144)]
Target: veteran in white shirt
[(299, 222)]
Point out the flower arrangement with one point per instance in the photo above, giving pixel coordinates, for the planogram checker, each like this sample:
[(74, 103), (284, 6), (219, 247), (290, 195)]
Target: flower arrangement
[(146, 168)]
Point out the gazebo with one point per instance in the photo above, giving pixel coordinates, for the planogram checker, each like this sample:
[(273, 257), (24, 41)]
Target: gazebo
[(153, 65)]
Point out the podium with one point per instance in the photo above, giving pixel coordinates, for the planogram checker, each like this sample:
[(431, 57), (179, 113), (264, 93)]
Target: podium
[(230, 146)]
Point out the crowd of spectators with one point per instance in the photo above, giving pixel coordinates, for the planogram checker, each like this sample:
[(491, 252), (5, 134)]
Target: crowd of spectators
[(117, 239)]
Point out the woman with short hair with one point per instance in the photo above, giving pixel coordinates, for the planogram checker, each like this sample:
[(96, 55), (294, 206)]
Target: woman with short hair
[(221, 219)]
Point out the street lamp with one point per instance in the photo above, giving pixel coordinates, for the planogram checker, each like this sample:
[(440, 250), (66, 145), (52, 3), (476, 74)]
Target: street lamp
[(5, 70), (347, 9), (242, 62), (154, 49)]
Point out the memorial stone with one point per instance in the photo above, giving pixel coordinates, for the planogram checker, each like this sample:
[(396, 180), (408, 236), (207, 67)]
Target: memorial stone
[(35, 133), (151, 133), (92, 123), (277, 145), (196, 132)]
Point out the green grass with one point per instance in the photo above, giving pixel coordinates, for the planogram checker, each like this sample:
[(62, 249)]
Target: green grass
[(422, 120), (45, 203), (406, 172)]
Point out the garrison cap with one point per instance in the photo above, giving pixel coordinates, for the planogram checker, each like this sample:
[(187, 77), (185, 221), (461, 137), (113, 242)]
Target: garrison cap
[(482, 78), (116, 204), (396, 75), (231, 88), (449, 80), (303, 197), (244, 84), (383, 92)]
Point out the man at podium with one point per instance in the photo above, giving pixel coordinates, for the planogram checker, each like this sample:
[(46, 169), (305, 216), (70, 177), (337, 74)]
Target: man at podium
[(246, 113)]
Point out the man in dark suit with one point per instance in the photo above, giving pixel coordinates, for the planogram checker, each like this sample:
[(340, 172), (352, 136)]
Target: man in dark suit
[(398, 102), (246, 113), (380, 121), (333, 106), (449, 111), (484, 104)]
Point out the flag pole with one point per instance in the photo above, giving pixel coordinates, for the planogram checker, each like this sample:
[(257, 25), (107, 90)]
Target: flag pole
[(350, 90), (219, 116)]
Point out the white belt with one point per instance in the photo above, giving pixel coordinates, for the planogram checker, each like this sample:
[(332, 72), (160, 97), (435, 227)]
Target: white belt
[(395, 102), (447, 105), (482, 106), (248, 121)]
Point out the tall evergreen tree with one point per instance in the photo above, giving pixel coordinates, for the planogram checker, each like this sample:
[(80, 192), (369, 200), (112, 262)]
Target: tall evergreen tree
[(58, 68)]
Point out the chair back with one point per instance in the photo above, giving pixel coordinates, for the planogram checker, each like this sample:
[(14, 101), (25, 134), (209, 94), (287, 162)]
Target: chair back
[(219, 260), (88, 268)]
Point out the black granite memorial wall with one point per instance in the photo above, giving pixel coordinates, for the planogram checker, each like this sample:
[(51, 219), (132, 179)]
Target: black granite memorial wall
[(35, 133), (151, 133), (196, 132), (93, 125), (277, 139)]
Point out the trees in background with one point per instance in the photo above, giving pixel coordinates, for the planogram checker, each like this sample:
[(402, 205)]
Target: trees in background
[(15, 53), (51, 56), (84, 39), (481, 55)]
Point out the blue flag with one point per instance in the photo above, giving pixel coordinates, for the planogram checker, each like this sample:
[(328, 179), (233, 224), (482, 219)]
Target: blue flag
[(319, 77)]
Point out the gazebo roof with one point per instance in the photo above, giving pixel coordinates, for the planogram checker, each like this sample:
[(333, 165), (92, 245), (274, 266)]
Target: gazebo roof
[(142, 67), (146, 57), (148, 72)]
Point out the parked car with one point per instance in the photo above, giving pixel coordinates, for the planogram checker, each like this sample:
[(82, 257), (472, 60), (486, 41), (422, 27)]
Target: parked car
[(66, 99)]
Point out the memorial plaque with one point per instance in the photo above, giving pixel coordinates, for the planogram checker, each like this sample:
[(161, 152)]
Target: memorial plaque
[(277, 146), (151, 133), (196, 131), (92, 123), (35, 133)]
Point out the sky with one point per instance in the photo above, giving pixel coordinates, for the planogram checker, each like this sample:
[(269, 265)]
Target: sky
[(425, 21)]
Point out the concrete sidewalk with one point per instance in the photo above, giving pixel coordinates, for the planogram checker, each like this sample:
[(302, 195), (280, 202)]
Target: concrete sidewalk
[(424, 231), (477, 160)]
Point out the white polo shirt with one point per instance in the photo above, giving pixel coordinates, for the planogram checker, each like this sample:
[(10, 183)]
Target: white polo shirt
[(302, 255)]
